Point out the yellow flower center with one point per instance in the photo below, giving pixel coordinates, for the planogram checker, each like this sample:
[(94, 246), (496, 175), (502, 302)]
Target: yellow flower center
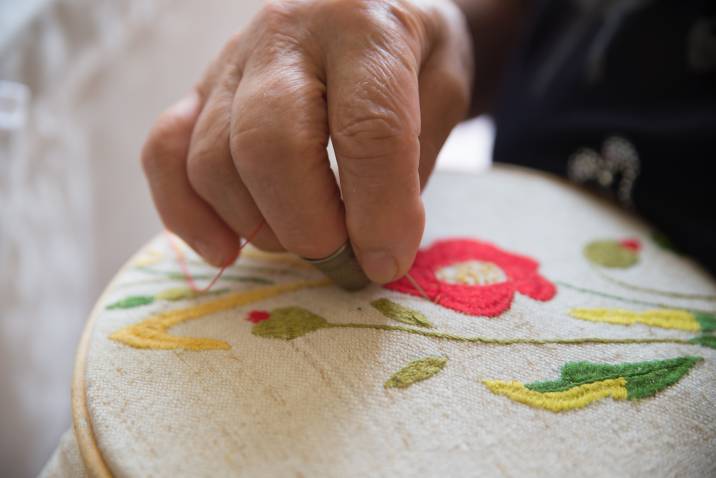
[(471, 273)]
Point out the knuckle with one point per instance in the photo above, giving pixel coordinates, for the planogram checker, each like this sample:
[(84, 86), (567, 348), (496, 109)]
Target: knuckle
[(160, 145), (276, 13), (203, 170), (298, 131), (374, 136)]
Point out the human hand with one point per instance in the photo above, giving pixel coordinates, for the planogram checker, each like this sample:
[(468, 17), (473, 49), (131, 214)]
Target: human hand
[(386, 80)]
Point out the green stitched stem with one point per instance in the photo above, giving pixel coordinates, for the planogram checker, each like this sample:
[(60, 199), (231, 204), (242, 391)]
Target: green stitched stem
[(489, 341), (665, 293), (625, 299), (178, 276)]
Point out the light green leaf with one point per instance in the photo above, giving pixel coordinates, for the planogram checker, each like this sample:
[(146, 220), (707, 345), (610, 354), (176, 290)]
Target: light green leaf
[(416, 371), (131, 302), (610, 254), (400, 313)]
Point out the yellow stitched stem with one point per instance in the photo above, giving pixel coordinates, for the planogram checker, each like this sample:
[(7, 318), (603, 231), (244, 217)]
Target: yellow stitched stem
[(491, 341), (576, 397), (152, 333)]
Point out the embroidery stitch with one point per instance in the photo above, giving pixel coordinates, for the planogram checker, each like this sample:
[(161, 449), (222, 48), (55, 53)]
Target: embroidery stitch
[(465, 275), (664, 318), (172, 295), (256, 316), (149, 258), (288, 323), (153, 333), (577, 397), (704, 340), (613, 254), (416, 371), (178, 276), (665, 293), (627, 299), (274, 328), (131, 301), (400, 313), (582, 383)]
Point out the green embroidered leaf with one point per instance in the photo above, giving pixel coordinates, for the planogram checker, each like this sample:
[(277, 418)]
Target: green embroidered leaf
[(131, 302), (416, 371), (288, 323), (706, 321), (705, 340), (402, 314), (610, 254), (643, 379)]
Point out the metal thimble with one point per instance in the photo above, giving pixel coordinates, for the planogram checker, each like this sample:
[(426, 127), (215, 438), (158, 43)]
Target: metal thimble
[(342, 268)]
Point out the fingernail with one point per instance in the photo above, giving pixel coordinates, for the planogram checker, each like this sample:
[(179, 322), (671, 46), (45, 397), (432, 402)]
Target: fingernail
[(379, 266)]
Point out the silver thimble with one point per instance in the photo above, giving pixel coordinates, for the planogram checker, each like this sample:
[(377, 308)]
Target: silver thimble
[(342, 268)]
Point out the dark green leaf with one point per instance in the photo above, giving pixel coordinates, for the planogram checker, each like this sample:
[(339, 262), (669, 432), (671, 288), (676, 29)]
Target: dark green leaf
[(643, 379)]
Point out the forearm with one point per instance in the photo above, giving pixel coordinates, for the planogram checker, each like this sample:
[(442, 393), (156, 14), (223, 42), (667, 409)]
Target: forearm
[(495, 26)]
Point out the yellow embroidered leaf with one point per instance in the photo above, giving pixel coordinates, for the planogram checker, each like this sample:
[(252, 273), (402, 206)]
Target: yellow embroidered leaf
[(152, 333), (576, 397), (177, 293), (181, 293), (416, 371), (664, 318)]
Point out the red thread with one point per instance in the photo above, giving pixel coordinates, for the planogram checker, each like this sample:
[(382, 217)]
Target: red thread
[(521, 275), (256, 316), (632, 244), (181, 260)]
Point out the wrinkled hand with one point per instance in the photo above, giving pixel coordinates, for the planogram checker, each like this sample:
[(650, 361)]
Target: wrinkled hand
[(386, 80)]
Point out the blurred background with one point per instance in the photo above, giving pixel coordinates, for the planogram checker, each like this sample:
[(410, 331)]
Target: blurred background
[(81, 82)]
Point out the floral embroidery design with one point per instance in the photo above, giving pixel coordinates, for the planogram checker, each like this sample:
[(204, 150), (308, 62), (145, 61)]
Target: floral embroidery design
[(582, 383), (613, 254), (474, 277), (471, 277)]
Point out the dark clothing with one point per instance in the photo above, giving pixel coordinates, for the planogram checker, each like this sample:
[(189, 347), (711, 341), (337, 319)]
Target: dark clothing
[(621, 95)]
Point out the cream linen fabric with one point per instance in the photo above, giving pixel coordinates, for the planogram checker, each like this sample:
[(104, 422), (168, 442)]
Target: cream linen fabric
[(316, 405)]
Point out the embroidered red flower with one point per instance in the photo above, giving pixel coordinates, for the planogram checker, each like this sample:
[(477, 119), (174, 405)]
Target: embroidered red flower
[(474, 277), (256, 316)]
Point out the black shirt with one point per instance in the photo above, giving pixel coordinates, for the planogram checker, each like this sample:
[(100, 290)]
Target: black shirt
[(620, 95)]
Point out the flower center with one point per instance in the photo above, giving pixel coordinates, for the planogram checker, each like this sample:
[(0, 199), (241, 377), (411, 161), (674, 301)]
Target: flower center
[(471, 273)]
